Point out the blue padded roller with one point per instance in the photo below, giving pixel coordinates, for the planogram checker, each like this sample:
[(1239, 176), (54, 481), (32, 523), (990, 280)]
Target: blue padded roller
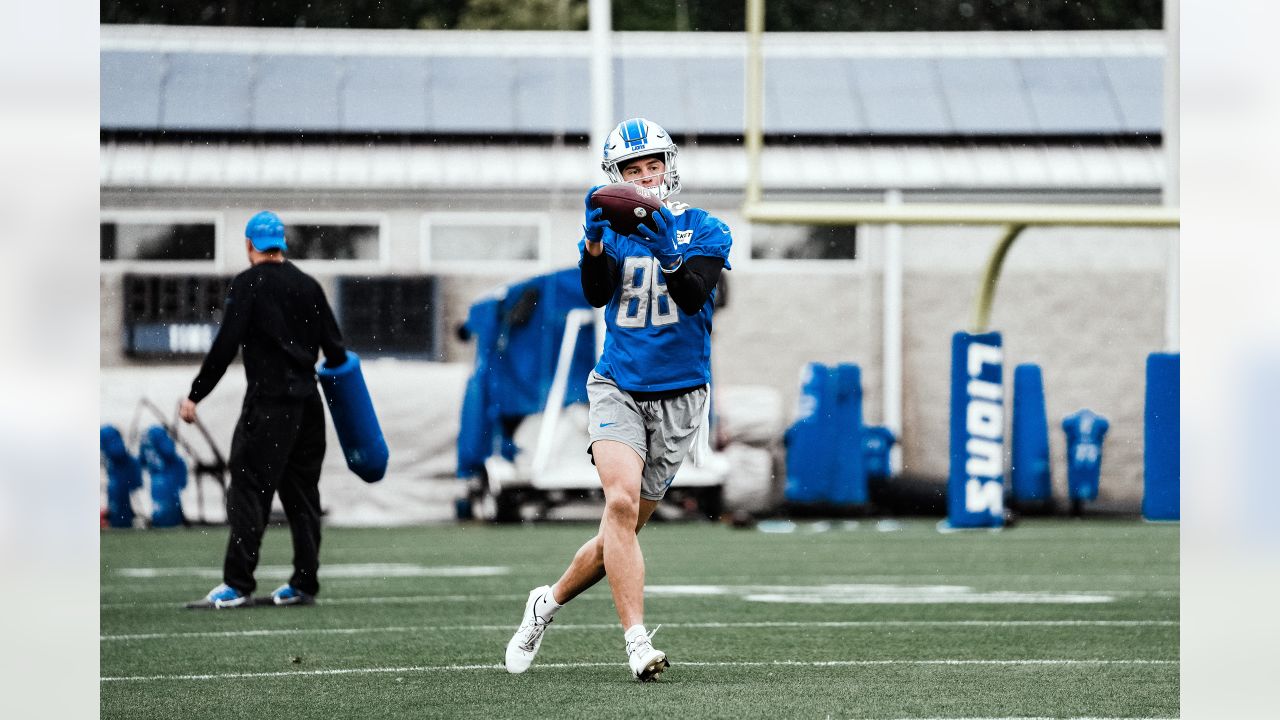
[(354, 419), (1029, 471)]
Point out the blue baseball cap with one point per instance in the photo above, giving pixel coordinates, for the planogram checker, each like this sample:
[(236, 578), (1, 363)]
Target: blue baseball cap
[(265, 231)]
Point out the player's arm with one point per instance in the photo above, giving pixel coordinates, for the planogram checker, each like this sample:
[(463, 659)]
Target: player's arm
[(691, 284), (599, 271), (235, 324), (335, 354), (599, 277), (691, 274)]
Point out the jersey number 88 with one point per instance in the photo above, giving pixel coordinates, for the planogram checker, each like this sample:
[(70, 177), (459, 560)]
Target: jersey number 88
[(644, 295)]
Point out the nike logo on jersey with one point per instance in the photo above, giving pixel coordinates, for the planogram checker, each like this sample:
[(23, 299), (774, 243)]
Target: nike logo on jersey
[(607, 424)]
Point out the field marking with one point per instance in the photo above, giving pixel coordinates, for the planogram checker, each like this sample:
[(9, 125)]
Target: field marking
[(614, 626), (577, 665), (877, 594), (387, 600), (339, 570), (415, 599), (941, 577)]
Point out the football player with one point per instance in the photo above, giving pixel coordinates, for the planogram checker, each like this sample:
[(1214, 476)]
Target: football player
[(649, 391)]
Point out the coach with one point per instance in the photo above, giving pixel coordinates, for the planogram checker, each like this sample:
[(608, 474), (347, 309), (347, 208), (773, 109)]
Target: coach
[(280, 316)]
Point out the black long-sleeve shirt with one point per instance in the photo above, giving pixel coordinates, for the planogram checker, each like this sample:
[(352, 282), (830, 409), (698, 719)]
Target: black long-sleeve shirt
[(280, 316), (689, 286)]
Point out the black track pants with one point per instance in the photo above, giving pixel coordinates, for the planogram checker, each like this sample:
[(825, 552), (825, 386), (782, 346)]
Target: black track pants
[(278, 446)]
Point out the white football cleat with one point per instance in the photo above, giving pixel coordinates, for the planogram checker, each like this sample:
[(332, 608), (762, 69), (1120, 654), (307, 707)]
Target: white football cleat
[(646, 661), (524, 645)]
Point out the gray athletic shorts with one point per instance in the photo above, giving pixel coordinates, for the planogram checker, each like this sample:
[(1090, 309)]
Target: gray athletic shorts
[(661, 431)]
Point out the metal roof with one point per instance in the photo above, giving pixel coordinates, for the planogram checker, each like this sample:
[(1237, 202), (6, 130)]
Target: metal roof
[(428, 167), (253, 80)]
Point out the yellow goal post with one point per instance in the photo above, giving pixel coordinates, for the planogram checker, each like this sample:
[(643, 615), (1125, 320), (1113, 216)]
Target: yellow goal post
[(1014, 218)]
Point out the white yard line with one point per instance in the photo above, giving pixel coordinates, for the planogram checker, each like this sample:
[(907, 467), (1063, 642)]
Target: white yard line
[(360, 571), (869, 624), (389, 600), (497, 668), (416, 599)]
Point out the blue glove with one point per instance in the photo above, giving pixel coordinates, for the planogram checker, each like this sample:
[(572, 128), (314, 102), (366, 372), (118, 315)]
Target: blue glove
[(593, 228), (662, 242)]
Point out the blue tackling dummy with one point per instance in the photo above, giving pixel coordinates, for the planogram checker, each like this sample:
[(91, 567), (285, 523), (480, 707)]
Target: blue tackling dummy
[(354, 419), (124, 475)]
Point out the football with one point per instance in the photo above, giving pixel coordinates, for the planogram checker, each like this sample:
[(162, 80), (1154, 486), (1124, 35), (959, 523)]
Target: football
[(626, 207)]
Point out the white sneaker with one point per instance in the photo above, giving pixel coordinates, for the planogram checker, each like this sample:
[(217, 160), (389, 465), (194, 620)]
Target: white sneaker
[(647, 662), (524, 645)]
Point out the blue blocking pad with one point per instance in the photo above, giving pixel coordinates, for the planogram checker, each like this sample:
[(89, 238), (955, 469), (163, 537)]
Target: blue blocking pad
[(357, 426)]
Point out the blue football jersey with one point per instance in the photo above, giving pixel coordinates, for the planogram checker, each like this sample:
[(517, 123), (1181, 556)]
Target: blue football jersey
[(652, 345)]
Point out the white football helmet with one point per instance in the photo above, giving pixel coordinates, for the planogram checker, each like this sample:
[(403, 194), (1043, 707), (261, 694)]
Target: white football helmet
[(636, 138)]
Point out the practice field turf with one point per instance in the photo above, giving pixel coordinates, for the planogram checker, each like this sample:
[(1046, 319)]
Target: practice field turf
[(874, 620)]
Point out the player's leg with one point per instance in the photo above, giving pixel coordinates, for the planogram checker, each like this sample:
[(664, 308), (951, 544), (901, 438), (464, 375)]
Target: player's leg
[(586, 569), (671, 426), (614, 420), (620, 469), (259, 447), (587, 566), (300, 496)]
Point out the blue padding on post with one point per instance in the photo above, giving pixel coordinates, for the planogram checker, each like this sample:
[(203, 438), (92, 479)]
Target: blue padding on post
[(354, 419), (1160, 453), (1029, 470), (975, 483)]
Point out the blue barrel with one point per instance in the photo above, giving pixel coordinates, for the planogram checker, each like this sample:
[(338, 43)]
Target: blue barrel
[(168, 473), (354, 419), (1161, 472), (1029, 473), (975, 482), (124, 475)]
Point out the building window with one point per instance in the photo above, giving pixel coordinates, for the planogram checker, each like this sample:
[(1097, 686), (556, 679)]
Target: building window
[(389, 315), (804, 242), (316, 241), (120, 240), (172, 316), (490, 238)]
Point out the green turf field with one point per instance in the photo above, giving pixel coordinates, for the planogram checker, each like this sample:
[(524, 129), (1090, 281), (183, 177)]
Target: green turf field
[(1048, 619)]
